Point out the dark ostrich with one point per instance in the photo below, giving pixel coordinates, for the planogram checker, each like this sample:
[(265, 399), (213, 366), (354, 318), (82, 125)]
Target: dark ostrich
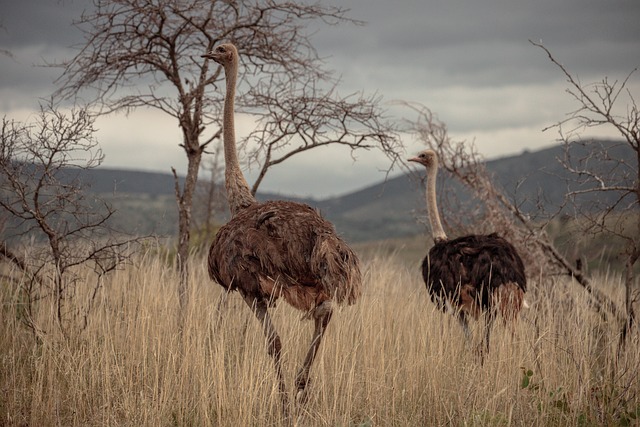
[(278, 249), (473, 274)]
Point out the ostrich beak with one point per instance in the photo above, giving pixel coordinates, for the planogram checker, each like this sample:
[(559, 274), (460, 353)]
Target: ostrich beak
[(208, 55), (414, 159)]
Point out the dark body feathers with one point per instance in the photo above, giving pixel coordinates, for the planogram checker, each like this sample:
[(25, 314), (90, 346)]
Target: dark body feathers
[(284, 249), (470, 275), (470, 272)]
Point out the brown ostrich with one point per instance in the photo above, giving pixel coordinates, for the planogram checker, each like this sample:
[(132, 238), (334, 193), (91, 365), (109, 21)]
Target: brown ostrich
[(471, 274), (277, 249)]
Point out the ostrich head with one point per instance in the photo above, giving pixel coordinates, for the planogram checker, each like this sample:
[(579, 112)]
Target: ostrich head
[(428, 158), (224, 54)]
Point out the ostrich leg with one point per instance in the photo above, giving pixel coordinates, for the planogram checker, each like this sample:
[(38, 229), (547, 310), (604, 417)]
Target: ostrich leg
[(274, 346), (321, 315), (464, 322), (484, 346)]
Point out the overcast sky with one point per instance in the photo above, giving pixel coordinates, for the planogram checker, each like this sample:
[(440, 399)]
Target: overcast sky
[(469, 61)]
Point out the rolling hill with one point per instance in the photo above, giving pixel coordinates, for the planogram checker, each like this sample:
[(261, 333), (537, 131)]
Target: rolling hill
[(145, 201)]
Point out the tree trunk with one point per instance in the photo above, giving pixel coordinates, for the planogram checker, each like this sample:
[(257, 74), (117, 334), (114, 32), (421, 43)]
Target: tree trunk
[(628, 300), (185, 202), (58, 278)]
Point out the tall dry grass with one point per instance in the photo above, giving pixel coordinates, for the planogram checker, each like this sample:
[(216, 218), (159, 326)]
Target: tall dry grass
[(390, 360)]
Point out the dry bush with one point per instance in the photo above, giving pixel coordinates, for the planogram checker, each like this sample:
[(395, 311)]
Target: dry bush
[(390, 360)]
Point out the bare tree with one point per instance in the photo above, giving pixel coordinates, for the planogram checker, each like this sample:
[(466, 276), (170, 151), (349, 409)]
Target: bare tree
[(41, 184), (606, 197), (140, 53)]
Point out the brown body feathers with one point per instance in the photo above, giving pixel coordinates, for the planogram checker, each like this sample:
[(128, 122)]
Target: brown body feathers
[(284, 249), (277, 249)]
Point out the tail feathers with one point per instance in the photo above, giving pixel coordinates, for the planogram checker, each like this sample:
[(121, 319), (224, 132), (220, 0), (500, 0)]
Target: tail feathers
[(509, 300), (338, 269)]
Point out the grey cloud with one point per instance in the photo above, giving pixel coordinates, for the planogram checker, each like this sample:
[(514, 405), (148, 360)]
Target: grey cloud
[(470, 61), (37, 22), (487, 42)]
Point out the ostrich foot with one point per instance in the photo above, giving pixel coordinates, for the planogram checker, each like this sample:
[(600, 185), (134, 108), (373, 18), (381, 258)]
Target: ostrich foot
[(302, 395)]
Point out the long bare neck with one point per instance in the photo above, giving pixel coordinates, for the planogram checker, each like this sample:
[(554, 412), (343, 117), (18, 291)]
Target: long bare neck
[(238, 193), (432, 205)]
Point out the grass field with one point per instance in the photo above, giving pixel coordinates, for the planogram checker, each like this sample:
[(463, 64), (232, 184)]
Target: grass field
[(390, 360)]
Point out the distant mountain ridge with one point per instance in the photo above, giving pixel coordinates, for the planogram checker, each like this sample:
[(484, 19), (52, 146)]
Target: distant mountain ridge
[(103, 180), (533, 179), (146, 200)]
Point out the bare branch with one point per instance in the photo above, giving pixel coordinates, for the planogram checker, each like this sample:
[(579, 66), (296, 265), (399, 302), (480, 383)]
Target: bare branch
[(142, 54), (293, 119), (598, 104), (42, 188)]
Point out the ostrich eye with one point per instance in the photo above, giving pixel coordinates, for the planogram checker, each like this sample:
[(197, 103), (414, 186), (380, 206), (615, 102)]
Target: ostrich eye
[(220, 49)]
